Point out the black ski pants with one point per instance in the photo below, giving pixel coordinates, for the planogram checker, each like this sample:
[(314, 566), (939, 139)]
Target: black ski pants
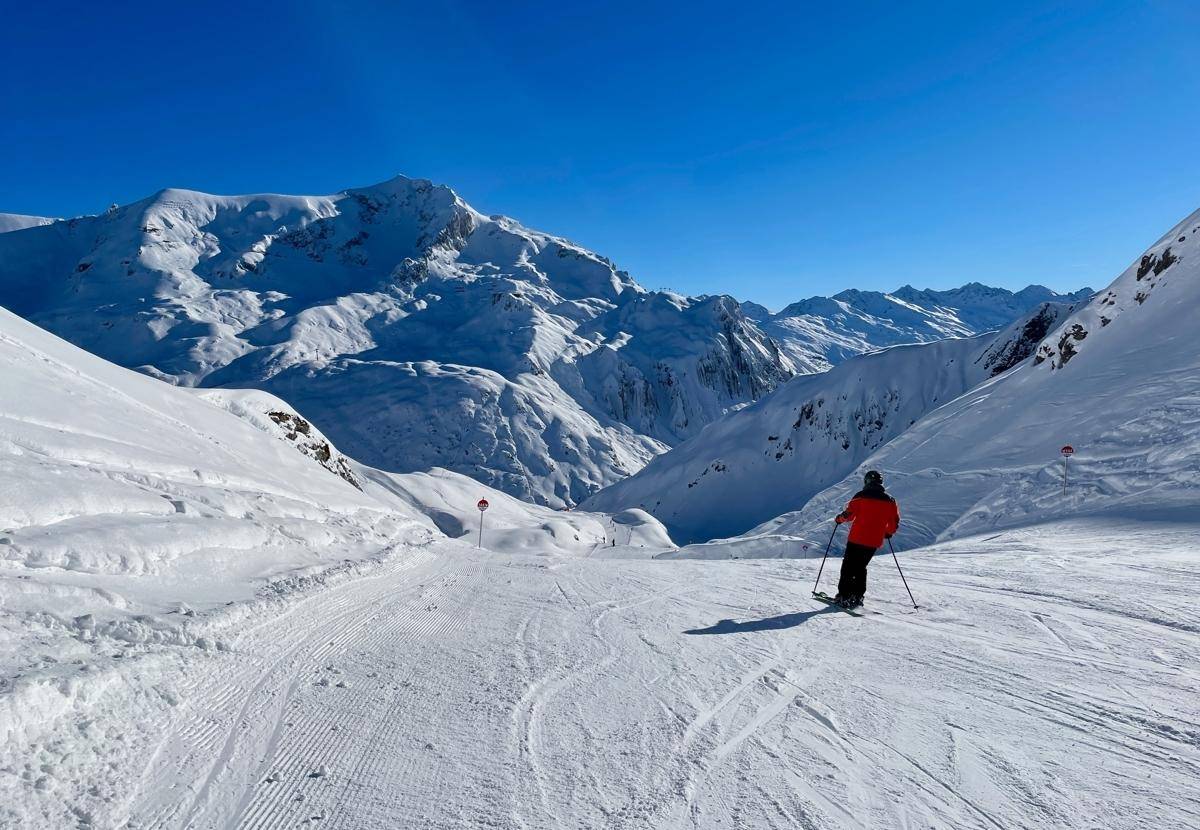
[(853, 582)]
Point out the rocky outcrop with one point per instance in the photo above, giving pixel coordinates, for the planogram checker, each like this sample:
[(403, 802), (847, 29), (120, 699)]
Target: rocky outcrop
[(1016, 346), (302, 435), (1153, 270)]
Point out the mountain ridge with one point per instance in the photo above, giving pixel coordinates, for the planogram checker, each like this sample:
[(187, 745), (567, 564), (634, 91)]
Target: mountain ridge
[(418, 332), (820, 332)]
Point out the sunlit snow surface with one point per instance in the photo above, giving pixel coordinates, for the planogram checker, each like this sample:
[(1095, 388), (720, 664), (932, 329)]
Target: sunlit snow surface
[(1047, 681), (371, 673)]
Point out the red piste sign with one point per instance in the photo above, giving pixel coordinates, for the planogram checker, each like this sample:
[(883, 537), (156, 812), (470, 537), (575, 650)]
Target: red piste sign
[(482, 504), (1067, 452)]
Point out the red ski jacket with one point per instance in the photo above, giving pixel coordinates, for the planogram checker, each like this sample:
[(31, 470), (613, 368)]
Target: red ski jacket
[(875, 517)]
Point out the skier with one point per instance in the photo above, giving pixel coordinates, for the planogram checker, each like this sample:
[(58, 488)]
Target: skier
[(874, 517)]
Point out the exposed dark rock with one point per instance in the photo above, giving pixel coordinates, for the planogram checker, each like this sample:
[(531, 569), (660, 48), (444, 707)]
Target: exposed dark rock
[(1066, 343), (1017, 350), (1155, 263), (299, 432)]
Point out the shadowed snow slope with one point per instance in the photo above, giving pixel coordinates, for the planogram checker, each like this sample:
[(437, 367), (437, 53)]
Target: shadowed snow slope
[(86, 444), (1118, 379), (773, 456)]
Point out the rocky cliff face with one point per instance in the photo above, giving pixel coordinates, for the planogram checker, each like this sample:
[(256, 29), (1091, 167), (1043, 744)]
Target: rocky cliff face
[(1158, 266)]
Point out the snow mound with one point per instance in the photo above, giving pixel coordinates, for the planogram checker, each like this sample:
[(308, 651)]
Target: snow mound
[(106, 471), (511, 526)]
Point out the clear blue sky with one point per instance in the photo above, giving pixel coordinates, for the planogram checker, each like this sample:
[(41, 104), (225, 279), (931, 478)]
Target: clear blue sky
[(771, 151)]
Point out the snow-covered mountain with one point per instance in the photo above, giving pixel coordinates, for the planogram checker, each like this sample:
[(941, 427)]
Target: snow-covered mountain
[(774, 455), (1118, 379), (415, 330), (822, 331), (420, 333), (17, 221)]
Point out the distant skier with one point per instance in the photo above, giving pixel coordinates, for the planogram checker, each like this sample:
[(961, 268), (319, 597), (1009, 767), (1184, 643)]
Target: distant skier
[(874, 517)]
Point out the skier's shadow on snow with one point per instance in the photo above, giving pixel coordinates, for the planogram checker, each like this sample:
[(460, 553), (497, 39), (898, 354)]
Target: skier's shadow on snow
[(766, 624)]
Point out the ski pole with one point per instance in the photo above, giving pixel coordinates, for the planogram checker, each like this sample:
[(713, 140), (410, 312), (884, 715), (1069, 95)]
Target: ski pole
[(897, 561), (823, 558)]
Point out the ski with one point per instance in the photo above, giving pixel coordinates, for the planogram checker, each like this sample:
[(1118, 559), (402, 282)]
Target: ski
[(828, 600)]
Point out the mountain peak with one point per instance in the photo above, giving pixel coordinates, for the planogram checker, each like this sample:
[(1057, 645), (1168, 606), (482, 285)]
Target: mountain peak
[(401, 185), (419, 331)]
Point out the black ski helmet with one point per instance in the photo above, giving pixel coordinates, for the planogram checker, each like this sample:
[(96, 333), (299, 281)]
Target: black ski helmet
[(873, 478)]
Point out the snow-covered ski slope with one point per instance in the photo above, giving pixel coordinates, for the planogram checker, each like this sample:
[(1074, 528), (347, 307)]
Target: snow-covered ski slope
[(421, 333), (776, 454), (1119, 380), (205, 623), (1047, 682), (141, 525)]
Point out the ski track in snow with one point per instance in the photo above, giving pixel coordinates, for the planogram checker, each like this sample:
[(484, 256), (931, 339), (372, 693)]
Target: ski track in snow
[(512, 691)]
